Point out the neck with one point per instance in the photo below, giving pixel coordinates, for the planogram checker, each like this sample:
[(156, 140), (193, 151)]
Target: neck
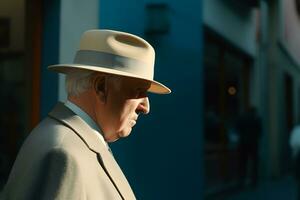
[(90, 103)]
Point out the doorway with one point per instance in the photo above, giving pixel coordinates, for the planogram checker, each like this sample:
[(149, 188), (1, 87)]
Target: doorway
[(226, 93)]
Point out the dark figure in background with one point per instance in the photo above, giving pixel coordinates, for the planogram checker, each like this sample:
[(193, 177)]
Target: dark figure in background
[(212, 125), (249, 129)]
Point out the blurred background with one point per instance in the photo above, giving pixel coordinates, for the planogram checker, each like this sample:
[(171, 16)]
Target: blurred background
[(234, 69)]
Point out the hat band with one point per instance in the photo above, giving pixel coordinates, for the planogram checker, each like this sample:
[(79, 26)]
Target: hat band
[(112, 61)]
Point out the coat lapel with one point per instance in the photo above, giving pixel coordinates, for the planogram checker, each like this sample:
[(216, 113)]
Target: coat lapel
[(107, 161)]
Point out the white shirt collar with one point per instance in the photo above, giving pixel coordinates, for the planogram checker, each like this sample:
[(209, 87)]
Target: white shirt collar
[(85, 117)]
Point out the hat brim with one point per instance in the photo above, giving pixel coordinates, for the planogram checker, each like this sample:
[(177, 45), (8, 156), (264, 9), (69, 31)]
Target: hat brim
[(155, 87)]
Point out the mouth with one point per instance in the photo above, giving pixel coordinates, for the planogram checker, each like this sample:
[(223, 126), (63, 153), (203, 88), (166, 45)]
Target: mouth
[(133, 122)]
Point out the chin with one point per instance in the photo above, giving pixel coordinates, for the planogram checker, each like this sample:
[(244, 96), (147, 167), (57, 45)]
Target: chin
[(124, 133), (111, 139), (117, 135)]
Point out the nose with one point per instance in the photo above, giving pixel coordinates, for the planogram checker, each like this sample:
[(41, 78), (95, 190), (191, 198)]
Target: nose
[(144, 106)]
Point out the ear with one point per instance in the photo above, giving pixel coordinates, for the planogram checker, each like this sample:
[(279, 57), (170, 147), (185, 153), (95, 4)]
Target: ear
[(100, 88)]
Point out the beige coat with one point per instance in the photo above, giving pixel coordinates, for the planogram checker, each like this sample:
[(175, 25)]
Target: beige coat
[(63, 159)]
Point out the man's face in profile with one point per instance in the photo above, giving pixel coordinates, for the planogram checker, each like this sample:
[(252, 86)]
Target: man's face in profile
[(123, 105)]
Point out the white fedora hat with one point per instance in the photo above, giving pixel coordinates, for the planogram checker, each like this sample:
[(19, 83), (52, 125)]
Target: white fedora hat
[(118, 53)]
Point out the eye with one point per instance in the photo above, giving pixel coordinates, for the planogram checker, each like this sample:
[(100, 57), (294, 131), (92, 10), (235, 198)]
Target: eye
[(141, 93)]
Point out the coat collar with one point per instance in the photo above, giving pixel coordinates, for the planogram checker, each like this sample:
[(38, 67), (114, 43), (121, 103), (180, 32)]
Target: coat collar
[(82, 129), (85, 132)]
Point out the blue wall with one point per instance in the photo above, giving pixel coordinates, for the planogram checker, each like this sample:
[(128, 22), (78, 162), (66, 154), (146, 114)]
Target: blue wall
[(50, 55), (163, 156)]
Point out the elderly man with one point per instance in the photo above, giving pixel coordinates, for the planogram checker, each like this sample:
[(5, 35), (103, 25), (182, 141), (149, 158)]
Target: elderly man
[(66, 156)]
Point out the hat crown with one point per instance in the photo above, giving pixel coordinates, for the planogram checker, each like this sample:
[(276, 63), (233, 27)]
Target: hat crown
[(118, 43)]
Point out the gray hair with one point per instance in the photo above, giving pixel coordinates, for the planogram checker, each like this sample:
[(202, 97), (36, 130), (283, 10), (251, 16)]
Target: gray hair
[(78, 81)]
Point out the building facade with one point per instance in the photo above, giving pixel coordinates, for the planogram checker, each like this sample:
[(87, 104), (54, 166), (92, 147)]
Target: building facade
[(251, 58)]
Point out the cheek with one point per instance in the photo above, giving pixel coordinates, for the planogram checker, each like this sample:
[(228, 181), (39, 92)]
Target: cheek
[(131, 106), (128, 110)]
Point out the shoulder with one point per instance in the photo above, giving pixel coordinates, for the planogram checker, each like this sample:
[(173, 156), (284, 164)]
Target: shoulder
[(53, 133), (52, 139), (59, 160)]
